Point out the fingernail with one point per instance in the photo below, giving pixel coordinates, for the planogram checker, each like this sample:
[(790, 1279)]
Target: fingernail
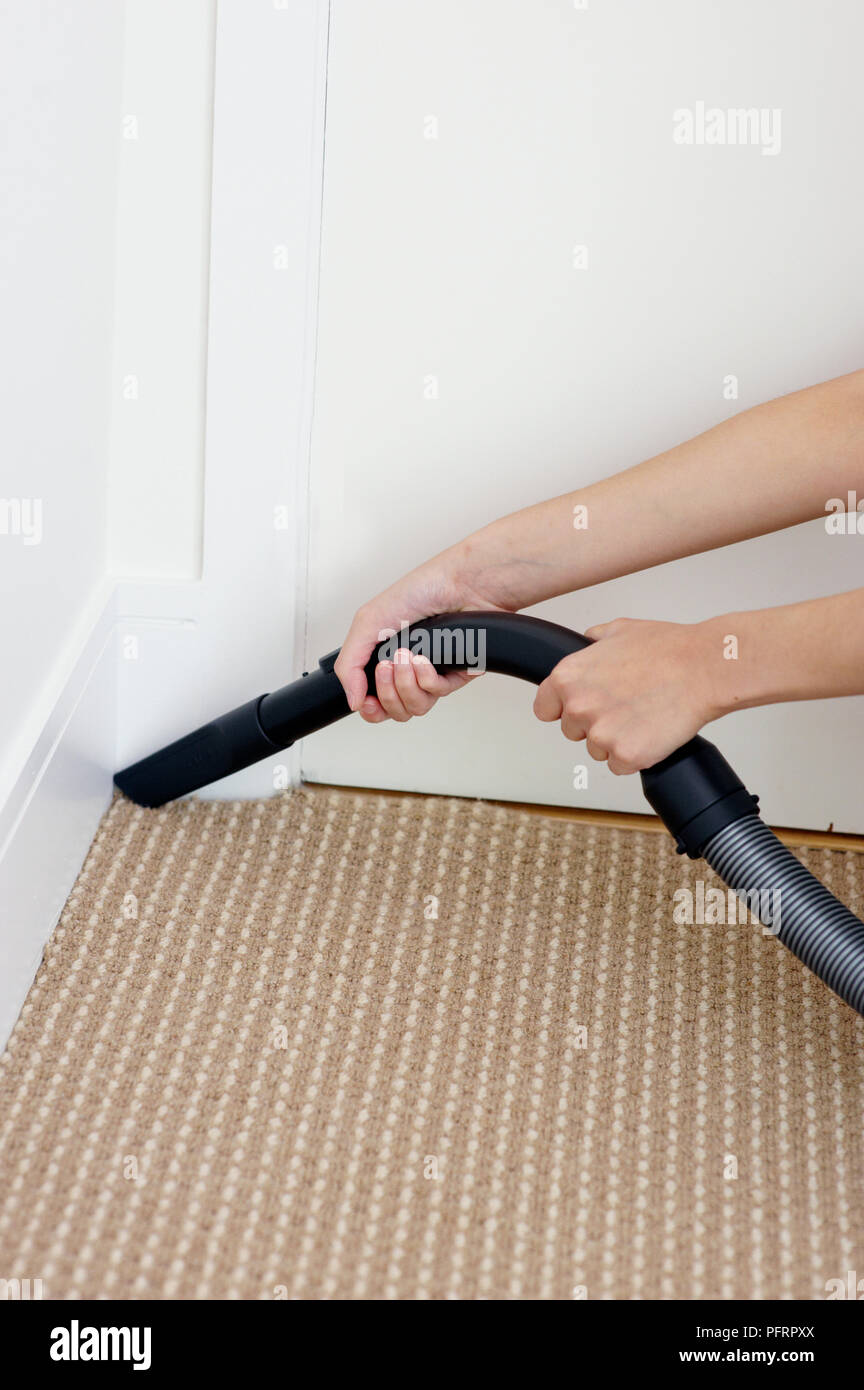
[(420, 660), (403, 656), (368, 706), (386, 669)]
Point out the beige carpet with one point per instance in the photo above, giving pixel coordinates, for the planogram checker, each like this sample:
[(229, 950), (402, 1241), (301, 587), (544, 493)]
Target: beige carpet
[(335, 1045)]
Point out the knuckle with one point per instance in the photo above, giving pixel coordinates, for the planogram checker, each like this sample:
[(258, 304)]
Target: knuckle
[(573, 728), (601, 736), (414, 701), (577, 702), (428, 681), (624, 753), (396, 710)]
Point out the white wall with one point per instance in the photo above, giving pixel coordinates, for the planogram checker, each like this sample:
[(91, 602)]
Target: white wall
[(107, 115), (59, 135), (453, 257), (59, 112)]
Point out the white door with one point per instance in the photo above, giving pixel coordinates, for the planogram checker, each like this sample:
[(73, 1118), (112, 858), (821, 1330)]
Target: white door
[(472, 359)]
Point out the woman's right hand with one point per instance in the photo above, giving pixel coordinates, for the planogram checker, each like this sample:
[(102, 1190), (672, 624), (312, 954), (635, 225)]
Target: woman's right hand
[(409, 685)]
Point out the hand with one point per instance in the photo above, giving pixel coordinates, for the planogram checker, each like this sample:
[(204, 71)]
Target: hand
[(641, 691), (410, 685)]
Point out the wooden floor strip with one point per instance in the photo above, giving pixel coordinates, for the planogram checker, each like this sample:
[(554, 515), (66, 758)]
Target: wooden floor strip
[(620, 820)]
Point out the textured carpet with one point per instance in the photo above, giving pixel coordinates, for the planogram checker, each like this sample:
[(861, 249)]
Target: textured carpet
[(338, 1045)]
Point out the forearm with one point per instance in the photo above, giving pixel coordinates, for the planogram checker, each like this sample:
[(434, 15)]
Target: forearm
[(770, 467), (642, 689), (802, 651)]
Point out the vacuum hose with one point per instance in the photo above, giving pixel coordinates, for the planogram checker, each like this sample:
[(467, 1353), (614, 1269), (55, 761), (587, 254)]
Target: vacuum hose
[(702, 802), (786, 897)]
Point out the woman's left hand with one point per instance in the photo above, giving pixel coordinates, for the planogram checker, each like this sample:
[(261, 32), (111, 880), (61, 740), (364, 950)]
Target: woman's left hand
[(639, 692)]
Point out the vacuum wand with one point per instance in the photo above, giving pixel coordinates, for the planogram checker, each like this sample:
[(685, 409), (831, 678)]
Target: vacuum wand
[(235, 740), (509, 643)]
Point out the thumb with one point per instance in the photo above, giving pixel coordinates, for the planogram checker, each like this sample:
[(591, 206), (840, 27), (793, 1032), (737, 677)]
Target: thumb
[(598, 631), (350, 668), (356, 687)]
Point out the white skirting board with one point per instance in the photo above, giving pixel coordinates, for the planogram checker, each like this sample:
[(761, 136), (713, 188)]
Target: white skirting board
[(48, 821), (135, 685), (49, 818)]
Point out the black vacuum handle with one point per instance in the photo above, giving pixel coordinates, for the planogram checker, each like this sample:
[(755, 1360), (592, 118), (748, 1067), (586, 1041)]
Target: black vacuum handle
[(694, 790), (511, 644)]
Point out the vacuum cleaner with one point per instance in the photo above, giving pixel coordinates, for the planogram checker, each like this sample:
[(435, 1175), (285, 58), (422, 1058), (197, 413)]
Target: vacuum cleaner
[(694, 791)]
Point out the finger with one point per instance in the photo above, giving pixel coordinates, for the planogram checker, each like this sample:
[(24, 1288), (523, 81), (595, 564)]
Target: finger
[(547, 702), (434, 682), (350, 668), (623, 759), (414, 698), (385, 684), (596, 750), (618, 768), (372, 711), (599, 631), (351, 661), (573, 726)]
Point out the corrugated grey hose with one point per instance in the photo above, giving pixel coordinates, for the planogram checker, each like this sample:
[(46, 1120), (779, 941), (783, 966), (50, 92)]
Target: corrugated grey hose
[(824, 934)]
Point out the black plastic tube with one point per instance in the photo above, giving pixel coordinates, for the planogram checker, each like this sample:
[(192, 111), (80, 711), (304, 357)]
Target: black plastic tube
[(694, 790), (508, 643)]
